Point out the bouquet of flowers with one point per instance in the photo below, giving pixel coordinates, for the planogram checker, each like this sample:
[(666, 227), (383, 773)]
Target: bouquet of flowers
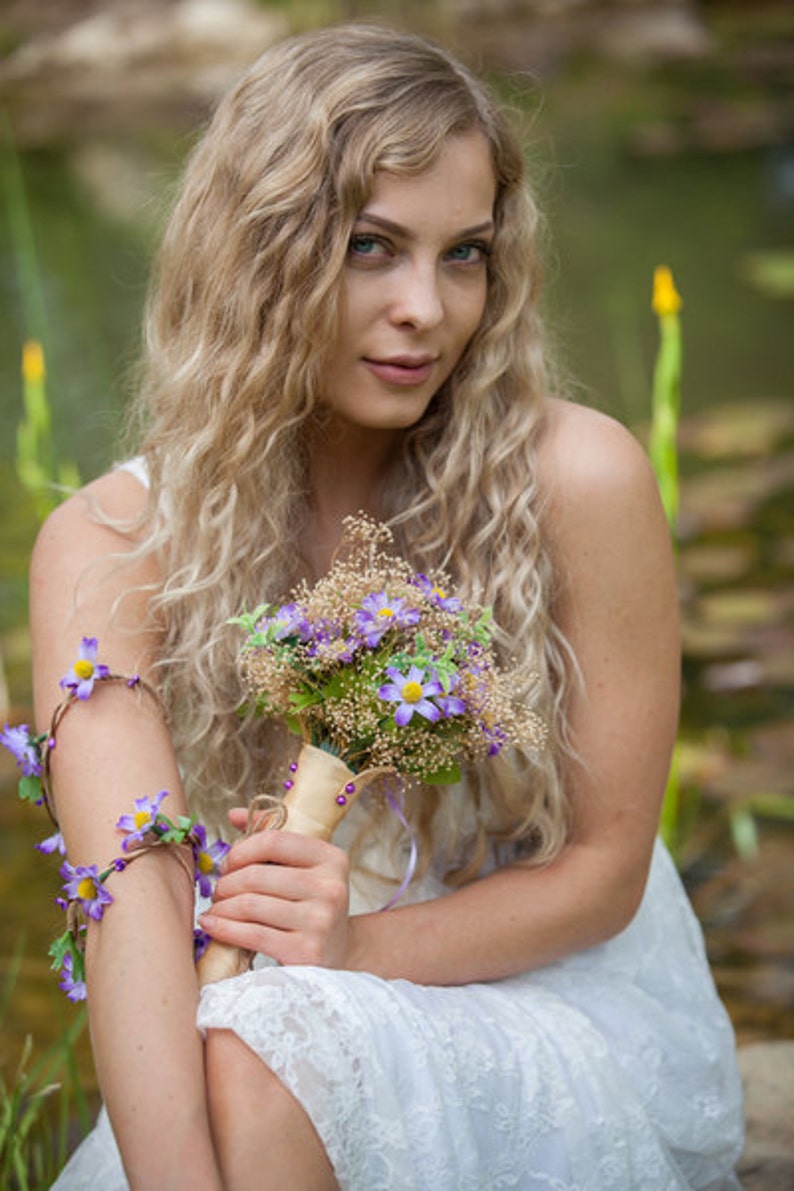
[(379, 670)]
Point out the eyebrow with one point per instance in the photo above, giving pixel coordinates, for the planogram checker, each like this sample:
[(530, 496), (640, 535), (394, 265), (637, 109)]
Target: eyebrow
[(398, 229)]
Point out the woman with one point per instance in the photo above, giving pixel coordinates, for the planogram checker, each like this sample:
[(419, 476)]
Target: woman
[(345, 317)]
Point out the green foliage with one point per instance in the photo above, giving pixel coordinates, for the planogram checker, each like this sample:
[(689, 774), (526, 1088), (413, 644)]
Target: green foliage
[(39, 1101), (679, 809), (663, 443), (38, 468)]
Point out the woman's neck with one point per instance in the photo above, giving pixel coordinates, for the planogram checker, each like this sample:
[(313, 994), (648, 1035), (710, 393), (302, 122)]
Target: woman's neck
[(347, 475)]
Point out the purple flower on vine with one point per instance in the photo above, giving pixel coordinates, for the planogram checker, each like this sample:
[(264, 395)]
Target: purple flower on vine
[(53, 843), (85, 671), (24, 747), (201, 941), (378, 614), (412, 694), (143, 819), (74, 988), (83, 884), (206, 859), (437, 595)]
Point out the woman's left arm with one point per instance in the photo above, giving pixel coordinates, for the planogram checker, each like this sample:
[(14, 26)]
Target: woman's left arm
[(617, 605)]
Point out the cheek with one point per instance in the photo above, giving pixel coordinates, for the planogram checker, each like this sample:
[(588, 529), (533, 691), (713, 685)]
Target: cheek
[(472, 315)]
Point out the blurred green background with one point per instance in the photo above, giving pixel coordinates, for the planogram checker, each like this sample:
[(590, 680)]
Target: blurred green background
[(657, 131)]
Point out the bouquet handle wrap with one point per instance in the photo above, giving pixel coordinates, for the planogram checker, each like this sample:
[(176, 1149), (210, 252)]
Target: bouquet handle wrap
[(322, 791)]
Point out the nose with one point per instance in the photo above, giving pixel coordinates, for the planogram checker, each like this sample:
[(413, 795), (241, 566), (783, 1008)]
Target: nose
[(416, 298)]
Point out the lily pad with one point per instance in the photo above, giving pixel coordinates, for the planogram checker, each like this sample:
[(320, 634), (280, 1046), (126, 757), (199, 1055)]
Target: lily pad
[(742, 429), (740, 608), (713, 562), (772, 273)]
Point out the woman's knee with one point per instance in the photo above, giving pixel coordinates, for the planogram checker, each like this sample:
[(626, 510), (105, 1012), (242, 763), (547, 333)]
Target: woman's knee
[(254, 1116), (237, 1079)]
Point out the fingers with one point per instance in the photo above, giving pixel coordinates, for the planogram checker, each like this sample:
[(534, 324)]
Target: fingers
[(281, 847), (285, 895), (315, 883), (285, 947), (291, 933)]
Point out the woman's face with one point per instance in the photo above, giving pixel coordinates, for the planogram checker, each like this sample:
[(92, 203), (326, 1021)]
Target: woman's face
[(414, 287)]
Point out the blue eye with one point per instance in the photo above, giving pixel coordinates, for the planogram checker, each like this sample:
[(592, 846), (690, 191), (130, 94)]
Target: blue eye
[(363, 245), (469, 253)]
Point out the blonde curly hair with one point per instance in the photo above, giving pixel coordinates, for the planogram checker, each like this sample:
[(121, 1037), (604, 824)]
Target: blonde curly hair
[(240, 319)]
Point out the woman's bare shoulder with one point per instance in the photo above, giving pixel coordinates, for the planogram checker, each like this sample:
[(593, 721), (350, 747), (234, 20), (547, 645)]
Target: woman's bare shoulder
[(581, 449), (601, 498), (93, 519)]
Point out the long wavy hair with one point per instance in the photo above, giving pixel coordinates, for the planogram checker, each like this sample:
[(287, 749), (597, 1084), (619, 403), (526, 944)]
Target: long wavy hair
[(241, 316)]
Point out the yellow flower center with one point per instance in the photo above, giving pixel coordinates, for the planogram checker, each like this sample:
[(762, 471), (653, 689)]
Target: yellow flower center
[(83, 669), (666, 298), (412, 692), (385, 612), (439, 591), (141, 818), (86, 889), (205, 864)]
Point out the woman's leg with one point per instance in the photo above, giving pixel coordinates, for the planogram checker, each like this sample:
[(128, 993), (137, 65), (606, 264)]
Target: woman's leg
[(263, 1137)]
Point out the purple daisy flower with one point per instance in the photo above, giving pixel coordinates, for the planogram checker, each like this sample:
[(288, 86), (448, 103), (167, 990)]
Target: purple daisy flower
[(74, 988), (378, 614), (83, 884), (136, 825), (24, 747), (86, 670), (437, 595), (412, 694), (289, 621), (206, 859), (496, 737), (450, 705), (53, 843), (329, 645)]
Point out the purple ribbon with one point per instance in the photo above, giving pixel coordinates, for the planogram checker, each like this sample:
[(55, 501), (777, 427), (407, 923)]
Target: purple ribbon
[(396, 805)]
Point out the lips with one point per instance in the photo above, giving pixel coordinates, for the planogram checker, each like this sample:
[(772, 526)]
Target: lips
[(402, 370)]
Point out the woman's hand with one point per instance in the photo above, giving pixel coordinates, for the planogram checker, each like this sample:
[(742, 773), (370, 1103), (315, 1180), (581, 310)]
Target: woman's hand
[(284, 895)]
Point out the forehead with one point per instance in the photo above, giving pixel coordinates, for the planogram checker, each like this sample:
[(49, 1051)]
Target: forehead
[(457, 190)]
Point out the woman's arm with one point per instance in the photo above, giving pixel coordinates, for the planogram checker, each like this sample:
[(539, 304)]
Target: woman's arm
[(617, 604), (110, 750)]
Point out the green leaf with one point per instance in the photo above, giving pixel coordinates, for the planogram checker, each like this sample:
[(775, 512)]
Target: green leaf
[(300, 700), (442, 777), (30, 789), (58, 948)]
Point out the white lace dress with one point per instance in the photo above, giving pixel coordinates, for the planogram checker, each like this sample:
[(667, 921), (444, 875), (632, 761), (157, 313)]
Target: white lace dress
[(612, 1070)]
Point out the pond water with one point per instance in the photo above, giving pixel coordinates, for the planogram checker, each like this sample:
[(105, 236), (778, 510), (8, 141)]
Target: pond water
[(613, 216)]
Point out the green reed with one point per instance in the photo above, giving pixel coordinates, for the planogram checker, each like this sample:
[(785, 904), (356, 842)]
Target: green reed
[(678, 813), (663, 450), (39, 470)]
